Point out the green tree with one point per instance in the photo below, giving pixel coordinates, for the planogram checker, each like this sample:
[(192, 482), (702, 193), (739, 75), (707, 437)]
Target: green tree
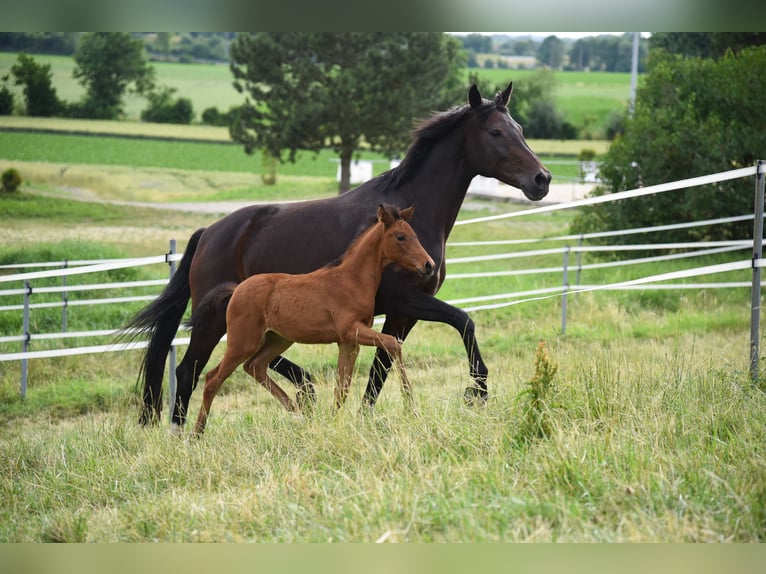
[(39, 93), (705, 44), (108, 64), (693, 117), (551, 52), (310, 90)]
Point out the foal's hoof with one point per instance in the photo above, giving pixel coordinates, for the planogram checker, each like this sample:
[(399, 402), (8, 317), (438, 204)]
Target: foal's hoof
[(475, 396)]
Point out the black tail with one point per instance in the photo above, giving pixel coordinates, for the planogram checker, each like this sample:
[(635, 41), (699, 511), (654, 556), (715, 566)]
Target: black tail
[(213, 304), (160, 319)]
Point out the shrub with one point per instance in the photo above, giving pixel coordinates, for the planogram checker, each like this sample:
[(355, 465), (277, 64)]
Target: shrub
[(163, 108), (11, 180)]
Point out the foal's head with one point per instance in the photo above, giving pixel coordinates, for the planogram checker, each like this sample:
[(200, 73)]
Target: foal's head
[(400, 242)]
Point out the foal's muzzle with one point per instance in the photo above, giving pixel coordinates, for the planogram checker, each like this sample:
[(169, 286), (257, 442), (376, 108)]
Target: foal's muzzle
[(428, 269)]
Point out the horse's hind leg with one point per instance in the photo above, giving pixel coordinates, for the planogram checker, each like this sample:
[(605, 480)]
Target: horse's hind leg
[(203, 341), (399, 328)]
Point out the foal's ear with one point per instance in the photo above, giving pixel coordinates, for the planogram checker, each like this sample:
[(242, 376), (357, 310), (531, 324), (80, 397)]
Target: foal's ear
[(407, 213), (474, 97), (385, 216)]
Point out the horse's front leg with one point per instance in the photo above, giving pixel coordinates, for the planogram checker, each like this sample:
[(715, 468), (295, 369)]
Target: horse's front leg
[(418, 305)]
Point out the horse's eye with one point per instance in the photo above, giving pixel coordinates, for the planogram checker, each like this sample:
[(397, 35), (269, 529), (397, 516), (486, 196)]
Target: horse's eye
[(401, 237), (494, 132)]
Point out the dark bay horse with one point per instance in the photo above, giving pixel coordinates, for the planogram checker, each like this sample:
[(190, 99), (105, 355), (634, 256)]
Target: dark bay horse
[(268, 312), (448, 150)]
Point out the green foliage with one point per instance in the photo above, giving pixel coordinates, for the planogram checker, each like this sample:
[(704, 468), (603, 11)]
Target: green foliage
[(212, 117), (306, 88), (11, 180), (693, 117), (551, 52), (705, 44), (108, 64), (39, 94), (539, 394), (163, 108), (6, 100)]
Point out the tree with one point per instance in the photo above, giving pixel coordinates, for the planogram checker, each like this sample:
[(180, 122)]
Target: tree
[(39, 93), (693, 117), (705, 44), (108, 64), (310, 90), (551, 52)]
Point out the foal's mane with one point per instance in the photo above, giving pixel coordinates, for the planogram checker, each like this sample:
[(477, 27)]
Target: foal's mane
[(427, 133)]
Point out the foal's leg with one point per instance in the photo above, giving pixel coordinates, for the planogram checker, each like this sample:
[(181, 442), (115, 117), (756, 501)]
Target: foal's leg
[(299, 377), (399, 328), (257, 366), (391, 347), (346, 360), (213, 381)]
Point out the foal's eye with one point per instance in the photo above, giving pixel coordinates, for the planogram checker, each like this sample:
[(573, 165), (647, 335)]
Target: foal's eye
[(401, 237), (494, 132)]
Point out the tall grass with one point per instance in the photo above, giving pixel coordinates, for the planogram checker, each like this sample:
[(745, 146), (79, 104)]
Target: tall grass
[(653, 430)]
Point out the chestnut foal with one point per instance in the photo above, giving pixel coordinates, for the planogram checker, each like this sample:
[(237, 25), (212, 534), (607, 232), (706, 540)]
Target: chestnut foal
[(269, 312)]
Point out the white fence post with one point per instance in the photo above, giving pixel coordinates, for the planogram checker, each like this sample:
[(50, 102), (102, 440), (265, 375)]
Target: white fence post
[(25, 343), (755, 306), (172, 354), (64, 300), (564, 295)]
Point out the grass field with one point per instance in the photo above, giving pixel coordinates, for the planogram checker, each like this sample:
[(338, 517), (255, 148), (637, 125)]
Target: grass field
[(649, 429), (583, 97)]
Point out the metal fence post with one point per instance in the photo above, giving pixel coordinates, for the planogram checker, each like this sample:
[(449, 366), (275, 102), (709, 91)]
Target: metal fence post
[(755, 305), (566, 289), (25, 344), (172, 354)]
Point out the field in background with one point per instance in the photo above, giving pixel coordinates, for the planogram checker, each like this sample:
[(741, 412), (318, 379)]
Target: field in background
[(580, 95)]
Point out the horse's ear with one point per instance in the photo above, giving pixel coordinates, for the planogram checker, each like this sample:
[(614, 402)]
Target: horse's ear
[(407, 213), (474, 97), (384, 215), (505, 97)]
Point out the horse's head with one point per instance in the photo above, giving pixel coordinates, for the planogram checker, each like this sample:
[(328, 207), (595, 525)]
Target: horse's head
[(495, 146), (400, 242)]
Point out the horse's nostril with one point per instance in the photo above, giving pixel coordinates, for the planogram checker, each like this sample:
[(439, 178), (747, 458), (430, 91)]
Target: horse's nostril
[(429, 267), (542, 178)]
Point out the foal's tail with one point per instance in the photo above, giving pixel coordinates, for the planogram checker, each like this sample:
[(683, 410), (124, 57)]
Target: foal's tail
[(213, 305), (160, 319)]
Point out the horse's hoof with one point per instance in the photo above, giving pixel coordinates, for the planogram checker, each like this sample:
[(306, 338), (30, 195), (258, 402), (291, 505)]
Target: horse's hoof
[(306, 400), (176, 430), (475, 396)]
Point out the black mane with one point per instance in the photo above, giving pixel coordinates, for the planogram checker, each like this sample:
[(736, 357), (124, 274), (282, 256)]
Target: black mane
[(426, 134)]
